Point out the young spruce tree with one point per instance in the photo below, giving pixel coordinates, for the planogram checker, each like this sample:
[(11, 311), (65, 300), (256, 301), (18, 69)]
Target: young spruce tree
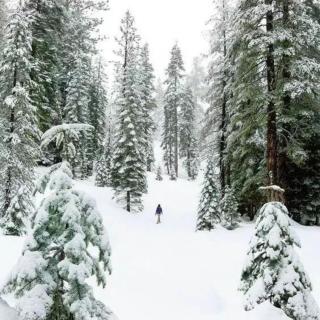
[(50, 279), (209, 211), (273, 271)]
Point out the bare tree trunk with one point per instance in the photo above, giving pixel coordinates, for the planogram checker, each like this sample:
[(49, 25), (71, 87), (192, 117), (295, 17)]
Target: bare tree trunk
[(272, 139)]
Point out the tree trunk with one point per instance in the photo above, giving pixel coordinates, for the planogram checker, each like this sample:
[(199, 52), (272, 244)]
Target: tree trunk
[(128, 201), (272, 148), (223, 115), (176, 141), (286, 100), (8, 187)]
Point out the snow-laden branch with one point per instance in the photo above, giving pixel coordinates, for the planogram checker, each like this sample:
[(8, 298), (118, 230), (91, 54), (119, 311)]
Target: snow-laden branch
[(70, 128)]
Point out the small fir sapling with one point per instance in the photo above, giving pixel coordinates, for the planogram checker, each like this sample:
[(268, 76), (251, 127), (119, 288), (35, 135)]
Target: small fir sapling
[(159, 174), (229, 209)]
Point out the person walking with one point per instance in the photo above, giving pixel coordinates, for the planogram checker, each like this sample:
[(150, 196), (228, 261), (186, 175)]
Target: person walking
[(158, 213)]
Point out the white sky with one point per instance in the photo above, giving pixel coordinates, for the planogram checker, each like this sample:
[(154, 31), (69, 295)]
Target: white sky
[(161, 23)]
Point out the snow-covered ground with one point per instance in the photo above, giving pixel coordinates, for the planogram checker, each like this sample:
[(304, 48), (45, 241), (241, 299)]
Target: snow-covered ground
[(169, 271)]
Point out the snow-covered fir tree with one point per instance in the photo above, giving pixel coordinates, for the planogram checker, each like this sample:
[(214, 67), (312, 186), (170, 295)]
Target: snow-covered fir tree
[(97, 109), (78, 86), (129, 167), (214, 132), (187, 134), (18, 130), (159, 174), (103, 167), (47, 27), (229, 209), (273, 271), (148, 103), (209, 213), (173, 96), (3, 20), (274, 103), (158, 112), (50, 279)]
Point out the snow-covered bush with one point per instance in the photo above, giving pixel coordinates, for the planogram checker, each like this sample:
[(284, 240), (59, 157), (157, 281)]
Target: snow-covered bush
[(209, 210), (273, 270), (67, 245)]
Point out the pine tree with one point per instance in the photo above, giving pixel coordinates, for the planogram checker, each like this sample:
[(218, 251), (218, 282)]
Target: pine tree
[(97, 110), (103, 167), (229, 209), (47, 29), (173, 95), (128, 172), (3, 20), (273, 271), (158, 112), (18, 130), (79, 38), (50, 279), (217, 115), (159, 174), (148, 104), (209, 211), (274, 102), (187, 134)]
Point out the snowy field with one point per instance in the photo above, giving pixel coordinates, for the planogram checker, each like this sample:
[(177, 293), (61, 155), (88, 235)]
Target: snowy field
[(169, 271)]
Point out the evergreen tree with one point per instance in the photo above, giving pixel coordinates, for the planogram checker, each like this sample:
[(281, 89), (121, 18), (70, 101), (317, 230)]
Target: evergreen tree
[(173, 95), (229, 209), (274, 102), (50, 279), (47, 27), (209, 211), (299, 151), (187, 133), (158, 112), (216, 119), (128, 172), (3, 20), (148, 104), (17, 130), (97, 110), (159, 174), (103, 167), (273, 271)]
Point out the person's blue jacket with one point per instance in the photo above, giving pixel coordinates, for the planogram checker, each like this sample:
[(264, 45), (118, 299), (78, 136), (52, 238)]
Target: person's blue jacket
[(159, 209)]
